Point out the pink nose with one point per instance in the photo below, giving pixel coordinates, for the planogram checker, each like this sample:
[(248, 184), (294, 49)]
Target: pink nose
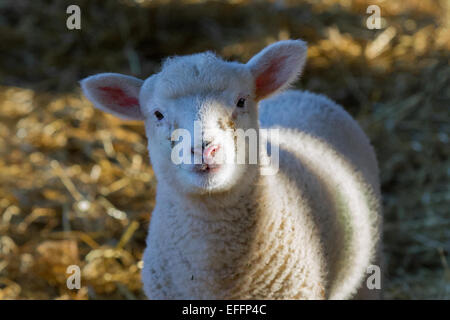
[(209, 153)]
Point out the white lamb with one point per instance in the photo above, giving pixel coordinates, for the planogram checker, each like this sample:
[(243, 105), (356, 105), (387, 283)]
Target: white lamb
[(223, 230)]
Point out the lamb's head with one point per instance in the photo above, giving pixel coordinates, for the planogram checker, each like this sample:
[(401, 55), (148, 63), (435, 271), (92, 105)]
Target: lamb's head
[(194, 110)]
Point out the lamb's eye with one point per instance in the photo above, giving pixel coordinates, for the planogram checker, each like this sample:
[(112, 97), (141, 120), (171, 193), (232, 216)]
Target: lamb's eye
[(240, 103), (159, 115)]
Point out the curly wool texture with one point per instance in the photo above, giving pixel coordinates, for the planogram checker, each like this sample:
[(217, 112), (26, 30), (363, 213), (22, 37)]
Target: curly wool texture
[(309, 232)]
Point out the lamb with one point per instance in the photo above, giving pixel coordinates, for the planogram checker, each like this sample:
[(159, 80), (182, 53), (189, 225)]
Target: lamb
[(225, 230)]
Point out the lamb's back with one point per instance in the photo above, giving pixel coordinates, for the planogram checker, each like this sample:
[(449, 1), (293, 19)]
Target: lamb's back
[(325, 148), (317, 116)]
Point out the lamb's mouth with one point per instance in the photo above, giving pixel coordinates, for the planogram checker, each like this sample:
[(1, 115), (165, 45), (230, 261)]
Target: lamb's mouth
[(206, 168)]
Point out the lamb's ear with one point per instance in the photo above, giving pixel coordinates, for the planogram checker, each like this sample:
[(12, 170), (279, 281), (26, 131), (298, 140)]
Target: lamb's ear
[(114, 93), (277, 66)]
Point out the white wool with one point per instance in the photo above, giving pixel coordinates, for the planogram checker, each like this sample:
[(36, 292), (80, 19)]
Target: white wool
[(197, 73), (308, 232)]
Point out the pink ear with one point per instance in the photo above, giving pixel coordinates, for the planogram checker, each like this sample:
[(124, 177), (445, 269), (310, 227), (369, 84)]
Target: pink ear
[(277, 66), (268, 81), (117, 95), (114, 93)]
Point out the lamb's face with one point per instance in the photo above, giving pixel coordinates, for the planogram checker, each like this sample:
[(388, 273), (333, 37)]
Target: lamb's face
[(192, 125), (198, 110)]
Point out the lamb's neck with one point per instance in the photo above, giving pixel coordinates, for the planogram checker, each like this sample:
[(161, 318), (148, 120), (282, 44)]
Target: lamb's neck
[(240, 200), (225, 243)]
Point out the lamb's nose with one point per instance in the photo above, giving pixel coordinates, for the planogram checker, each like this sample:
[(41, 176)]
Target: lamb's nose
[(199, 151), (209, 153)]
